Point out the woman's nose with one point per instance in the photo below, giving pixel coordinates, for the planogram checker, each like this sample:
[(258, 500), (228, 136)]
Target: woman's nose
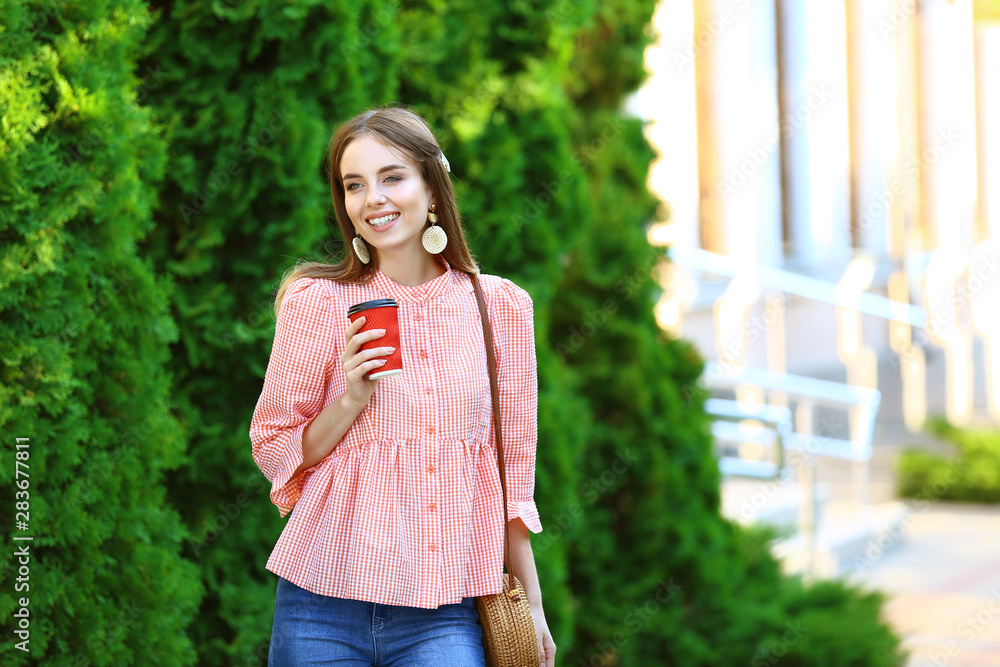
[(375, 197)]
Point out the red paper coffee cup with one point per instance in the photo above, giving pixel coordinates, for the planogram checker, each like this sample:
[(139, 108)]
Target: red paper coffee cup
[(381, 314)]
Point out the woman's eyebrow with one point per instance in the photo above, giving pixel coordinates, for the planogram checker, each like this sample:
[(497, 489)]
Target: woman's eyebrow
[(388, 167)]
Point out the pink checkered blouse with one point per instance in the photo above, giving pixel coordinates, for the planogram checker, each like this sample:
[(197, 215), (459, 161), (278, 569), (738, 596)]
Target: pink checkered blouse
[(406, 509)]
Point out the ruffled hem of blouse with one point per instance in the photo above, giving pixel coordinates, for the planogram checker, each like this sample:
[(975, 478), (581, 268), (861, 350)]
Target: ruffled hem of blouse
[(526, 511)]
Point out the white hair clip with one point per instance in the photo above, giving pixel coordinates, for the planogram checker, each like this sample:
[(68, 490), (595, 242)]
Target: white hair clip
[(444, 161)]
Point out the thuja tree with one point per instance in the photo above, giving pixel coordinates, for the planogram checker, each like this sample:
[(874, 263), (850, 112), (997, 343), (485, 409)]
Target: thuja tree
[(85, 402)]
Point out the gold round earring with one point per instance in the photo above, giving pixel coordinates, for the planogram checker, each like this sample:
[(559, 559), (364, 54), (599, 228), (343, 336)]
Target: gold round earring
[(360, 249), (434, 238)]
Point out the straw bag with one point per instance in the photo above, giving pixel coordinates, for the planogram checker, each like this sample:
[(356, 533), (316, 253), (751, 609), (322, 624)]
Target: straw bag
[(509, 636)]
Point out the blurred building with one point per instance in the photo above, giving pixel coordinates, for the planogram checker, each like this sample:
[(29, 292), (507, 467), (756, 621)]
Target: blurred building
[(830, 173)]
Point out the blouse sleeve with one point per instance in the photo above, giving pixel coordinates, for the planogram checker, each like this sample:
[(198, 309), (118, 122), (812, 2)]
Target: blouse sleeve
[(294, 388), (518, 383)]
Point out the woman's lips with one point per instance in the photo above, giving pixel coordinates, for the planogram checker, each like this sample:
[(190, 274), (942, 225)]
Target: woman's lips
[(385, 226)]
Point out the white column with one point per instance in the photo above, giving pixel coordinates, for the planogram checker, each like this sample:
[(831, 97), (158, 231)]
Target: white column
[(814, 123), (948, 144), (874, 121), (988, 46), (745, 110)]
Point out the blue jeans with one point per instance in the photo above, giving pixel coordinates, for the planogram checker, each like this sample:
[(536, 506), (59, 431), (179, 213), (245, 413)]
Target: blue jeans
[(311, 629)]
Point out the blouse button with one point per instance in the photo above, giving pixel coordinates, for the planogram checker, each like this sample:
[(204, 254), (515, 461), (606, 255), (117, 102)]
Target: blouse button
[(423, 354), (431, 429), (433, 547), (417, 316), (431, 469), (429, 390), (432, 507)]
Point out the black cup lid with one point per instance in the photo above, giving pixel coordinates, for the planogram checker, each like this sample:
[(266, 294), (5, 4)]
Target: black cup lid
[(377, 303)]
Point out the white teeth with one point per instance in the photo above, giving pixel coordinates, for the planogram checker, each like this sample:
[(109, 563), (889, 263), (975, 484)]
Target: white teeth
[(378, 222)]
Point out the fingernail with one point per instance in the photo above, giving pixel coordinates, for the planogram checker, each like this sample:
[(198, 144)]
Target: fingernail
[(381, 331)]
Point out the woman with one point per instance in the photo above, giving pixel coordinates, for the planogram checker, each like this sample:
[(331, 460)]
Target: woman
[(392, 484)]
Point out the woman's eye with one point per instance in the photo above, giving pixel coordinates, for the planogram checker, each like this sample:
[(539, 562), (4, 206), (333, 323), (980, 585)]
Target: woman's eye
[(354, 186)]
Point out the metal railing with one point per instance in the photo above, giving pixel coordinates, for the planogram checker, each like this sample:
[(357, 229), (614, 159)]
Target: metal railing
[(803, 286), (771, 426), (731, 426), (776, 429)]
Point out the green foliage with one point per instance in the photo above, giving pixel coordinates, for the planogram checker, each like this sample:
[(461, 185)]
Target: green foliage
[(972, 475), (85, 329), (826, 625)]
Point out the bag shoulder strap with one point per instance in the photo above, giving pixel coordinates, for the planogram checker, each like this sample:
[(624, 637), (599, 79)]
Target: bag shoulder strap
[(491, 363)]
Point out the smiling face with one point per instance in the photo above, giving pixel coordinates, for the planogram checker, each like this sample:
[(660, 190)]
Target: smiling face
[(385, 196)]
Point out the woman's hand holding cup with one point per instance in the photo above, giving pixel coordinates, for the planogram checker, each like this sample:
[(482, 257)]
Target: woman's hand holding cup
[(358, 363)]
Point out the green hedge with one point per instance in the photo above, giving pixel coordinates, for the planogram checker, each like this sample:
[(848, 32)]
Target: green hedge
[(84, 333), (972, 475)]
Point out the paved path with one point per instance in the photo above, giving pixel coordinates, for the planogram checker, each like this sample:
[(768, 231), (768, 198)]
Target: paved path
[(943, 583)]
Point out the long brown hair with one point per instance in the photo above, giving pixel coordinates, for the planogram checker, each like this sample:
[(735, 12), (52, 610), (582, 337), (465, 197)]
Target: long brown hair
[(403, 129)]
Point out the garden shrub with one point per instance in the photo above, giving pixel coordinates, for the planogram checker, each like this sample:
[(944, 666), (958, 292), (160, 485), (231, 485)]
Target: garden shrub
[(86, 332), (971, 475)]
